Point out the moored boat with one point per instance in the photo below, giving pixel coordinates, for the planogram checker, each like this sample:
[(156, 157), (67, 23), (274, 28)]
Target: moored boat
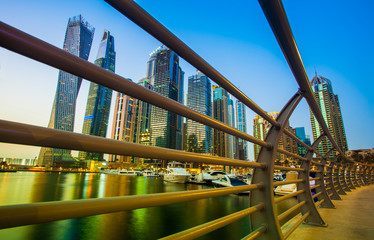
[(176, 175)]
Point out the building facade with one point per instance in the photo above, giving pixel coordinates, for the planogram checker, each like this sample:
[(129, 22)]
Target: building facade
[(261, 128), (241, 123), (329, 105), (123, 126), (166, 127), (221, 113), (99, 97), (78, 40), (199, 98), (300, 133)]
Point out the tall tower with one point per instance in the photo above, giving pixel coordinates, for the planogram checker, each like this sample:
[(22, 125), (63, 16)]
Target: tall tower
[(221, 113), (199, 98), (99, 97), (300, 133), (123, 123), (241, 122), (142, 132), (78, 40), (328, 102), (166, 127)]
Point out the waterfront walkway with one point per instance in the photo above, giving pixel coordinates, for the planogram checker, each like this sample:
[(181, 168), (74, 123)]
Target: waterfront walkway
[(353, 218)]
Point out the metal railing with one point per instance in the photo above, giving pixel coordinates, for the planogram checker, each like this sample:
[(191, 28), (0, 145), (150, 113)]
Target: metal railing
[(334, 177)]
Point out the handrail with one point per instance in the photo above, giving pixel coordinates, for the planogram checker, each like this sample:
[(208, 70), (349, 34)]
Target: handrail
[(280, 150), (208, 227), (34, 48), (25, 214), (144, 20), (48, 137), (276, 16)]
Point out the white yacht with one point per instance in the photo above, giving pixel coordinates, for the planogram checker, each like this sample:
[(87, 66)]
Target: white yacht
[(227, 181), (176, 173), (127, 172)]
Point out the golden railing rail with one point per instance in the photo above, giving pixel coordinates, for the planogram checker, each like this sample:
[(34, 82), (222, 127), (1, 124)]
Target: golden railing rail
[(345, 174)]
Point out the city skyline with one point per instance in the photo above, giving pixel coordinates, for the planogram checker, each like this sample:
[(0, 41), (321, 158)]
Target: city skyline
[(241, 54)]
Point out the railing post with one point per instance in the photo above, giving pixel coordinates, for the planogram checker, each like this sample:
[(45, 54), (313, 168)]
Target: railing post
[(268, 216), (344, 178), (321, 182), (335, 195), (362, 175), (314, 218), (338, 177), (356, 175), (349, 175)]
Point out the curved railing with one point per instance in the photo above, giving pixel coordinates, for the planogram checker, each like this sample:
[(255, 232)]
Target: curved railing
[(333, 176)]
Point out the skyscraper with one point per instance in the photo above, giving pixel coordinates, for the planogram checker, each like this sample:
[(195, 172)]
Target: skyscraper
[(300, 133), (78, 40), (241, 122), (329, 104), (166, 127), (221, 113), (199, 98), (123, 123), (99, 97)]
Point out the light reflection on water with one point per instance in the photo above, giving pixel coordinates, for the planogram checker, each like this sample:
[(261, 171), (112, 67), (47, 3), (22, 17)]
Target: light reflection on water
[(150, 223)]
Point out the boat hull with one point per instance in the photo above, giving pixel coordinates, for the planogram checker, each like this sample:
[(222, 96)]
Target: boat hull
[(176, 178)]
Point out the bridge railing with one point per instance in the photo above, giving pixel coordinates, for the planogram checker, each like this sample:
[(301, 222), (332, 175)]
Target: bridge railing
[(333, 177)]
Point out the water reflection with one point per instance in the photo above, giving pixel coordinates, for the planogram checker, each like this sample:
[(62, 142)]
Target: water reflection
[(150, 223)]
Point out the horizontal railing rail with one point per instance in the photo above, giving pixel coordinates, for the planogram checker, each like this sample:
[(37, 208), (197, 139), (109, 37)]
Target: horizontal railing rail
[(333, 176)]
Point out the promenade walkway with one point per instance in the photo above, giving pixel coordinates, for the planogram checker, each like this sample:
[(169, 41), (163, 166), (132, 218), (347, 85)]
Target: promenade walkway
[(353, 218)]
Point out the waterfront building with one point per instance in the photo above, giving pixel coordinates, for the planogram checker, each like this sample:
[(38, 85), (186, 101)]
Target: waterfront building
[(123, 126), (199, 98), (142, 132), (166, 127), (261, 128), (328, 103), (78, 40), (241, 123), (221, 113), (300, 133), (99, 97)]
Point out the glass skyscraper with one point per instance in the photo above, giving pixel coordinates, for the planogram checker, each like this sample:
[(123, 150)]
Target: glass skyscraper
[(199, 98), (99, 97), (329, 104), (221, 113), (166, 127), (78, 40), (241, 122), (300, 133)]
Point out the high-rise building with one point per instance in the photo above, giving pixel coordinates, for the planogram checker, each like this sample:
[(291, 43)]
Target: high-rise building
[(221, 113), (166, 127), (241, 122), (261, 128), (78, 40), (199, 98), (329, 105), (99, 97), (123, 123), (142, 132), (300, 133)]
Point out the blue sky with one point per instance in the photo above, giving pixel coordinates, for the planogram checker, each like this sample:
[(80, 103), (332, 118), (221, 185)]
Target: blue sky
[(335, 38)]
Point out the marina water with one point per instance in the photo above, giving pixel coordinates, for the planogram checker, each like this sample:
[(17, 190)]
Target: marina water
[(149, 223)]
